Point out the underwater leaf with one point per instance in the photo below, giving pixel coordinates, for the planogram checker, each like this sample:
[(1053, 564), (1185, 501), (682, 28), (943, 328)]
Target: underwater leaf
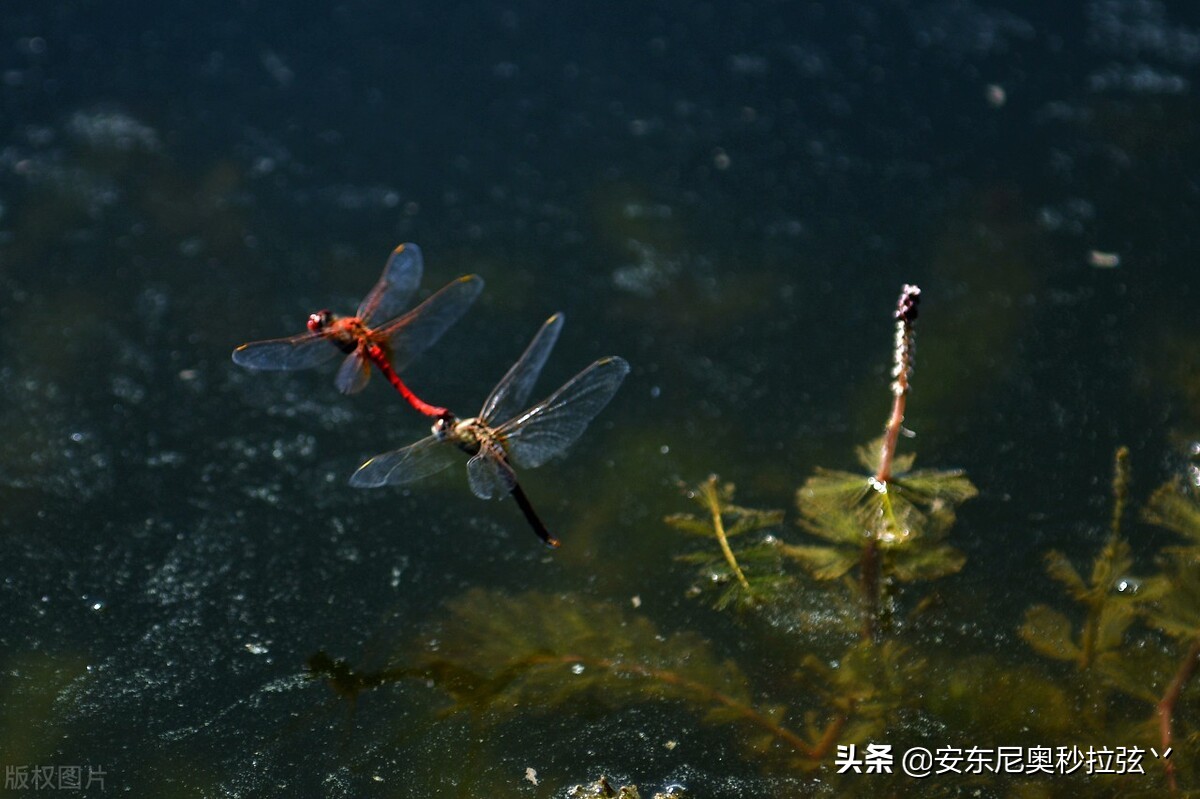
[(928, 486), (761, 554), (748, 520), (925, 563), (869, 454), (1059, 568), (707, 560), (1114, 561), (828, 489), (982, 695), (690, 524), (537, 651), (725, 564), (1115, 617), (893, 517), (823, 563), (838, 525), (1049, 633), (1173, 604), (1139, 673), (1172, 508)]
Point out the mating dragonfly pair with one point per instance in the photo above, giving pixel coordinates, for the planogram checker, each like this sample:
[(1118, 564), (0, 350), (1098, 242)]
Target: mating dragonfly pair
[(526, 438)]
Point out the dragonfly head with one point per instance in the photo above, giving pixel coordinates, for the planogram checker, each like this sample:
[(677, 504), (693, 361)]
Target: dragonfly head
[(445, 425), (319, 321)]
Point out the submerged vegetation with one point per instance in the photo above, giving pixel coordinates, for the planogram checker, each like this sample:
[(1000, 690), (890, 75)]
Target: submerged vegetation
[(1099, 702)]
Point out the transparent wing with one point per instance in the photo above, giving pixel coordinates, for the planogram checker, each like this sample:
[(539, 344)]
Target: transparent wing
[(548, 428), (411, 334), (353, 375), (396, 285), (510, 394), (279, 354), (428, 456), (489, 476)]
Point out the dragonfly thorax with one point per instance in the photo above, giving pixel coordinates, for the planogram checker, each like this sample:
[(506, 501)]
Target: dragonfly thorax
[(345, 332), (469, 435)]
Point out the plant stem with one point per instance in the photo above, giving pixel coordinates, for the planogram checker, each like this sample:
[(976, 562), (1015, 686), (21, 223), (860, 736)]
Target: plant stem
[(906, 315), (868, 567), (1120, 488), (1166, 707), (709, 491)]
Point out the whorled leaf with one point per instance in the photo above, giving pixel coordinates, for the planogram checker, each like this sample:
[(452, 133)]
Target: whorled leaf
[(690, 523), (748, 575), (924, 563), (758, 591), (828, 489), (1140, 673), (871, 685), (1175, 509), (1115, 618), (823, 563), (1173, 604), (837, 525), (1060, 569), (1050, 633), (869, 454), (981, 695), (1113, 562), (930, 486), (716, 500), (749, 520)]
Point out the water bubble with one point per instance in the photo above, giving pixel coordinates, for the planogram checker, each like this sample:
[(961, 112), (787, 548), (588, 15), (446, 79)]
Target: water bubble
[(1128, 585), (577, 668)]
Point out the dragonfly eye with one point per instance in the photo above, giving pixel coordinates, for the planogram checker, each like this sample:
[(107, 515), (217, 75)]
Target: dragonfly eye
[(444, 425), (319, 321)]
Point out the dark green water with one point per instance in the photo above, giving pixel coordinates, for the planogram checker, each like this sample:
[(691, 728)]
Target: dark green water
[(728, 196)]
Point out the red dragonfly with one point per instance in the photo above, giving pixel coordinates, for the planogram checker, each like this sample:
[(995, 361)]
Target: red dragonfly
[(391, 346), (526, 438)]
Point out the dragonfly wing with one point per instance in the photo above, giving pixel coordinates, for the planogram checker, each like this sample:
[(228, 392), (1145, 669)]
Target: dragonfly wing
[(408, 464), (396, 285), (548, 428), (353, 374), (489, 476), (511, 393), (413, 333), (284, 354)]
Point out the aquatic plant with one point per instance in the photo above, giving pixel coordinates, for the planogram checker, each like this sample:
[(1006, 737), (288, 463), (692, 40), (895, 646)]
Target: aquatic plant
[(1109, 609), (887, 525), (872, 538), (1108, 647), (747, 574)]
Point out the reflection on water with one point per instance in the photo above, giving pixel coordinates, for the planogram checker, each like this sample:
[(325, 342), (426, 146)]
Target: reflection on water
[(729, 198)]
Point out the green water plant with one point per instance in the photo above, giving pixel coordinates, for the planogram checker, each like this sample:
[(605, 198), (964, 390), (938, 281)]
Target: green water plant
[(884, 526), (1108, 607), (746, 574), (1172, 600), (1118, 644), (887, 526)]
